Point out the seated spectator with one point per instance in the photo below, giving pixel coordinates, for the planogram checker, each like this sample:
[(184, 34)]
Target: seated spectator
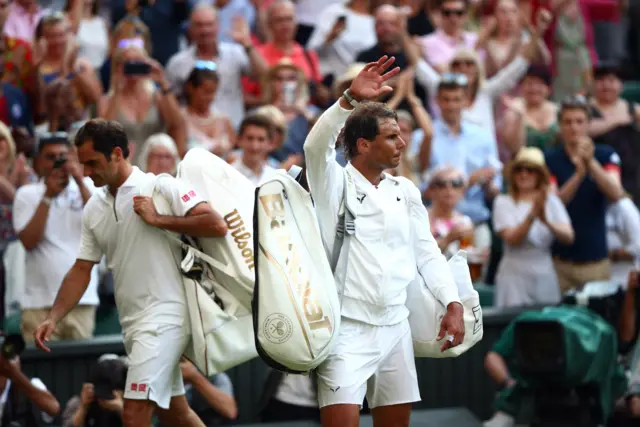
[(206, 129), (482, 94), (615, 123), (233, 60), (141, 100), (531, 120), (91, 30), (439, 47), (100, 402), (60, 60), (342, 30), (255, 139), (63, 112), (47, 216), (159, 155), (25, 402), (469, 148), (451, 229), (285, 87), (587, 177), (280, 135), (529, 218), (210, 398), (623, 239)]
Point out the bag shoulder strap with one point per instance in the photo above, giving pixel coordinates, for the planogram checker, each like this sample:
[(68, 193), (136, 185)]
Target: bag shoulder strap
[(149, 191), (346, 226)]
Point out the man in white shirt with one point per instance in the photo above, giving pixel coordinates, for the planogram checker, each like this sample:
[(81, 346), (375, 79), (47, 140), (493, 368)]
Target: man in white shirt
[(373, 354), (149, 292), (47, 216), (255, 138), (233, 60)]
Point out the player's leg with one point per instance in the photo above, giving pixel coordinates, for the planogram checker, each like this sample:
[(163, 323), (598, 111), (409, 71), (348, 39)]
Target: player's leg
[(137, 413), (179, 413), (340, 415), (394, 387)]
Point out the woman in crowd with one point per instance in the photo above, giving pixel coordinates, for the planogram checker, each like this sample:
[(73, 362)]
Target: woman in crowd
[(92, 33), (483, 93), (141, 99), (159, 155), (532, 120), (206, 129), (529, 218), (451, 229), (285, 87), (623, 239), (60, 60)]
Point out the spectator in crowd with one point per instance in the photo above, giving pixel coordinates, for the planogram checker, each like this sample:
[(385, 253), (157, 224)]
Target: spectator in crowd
[(25, 401), (164, 18), (439, 47), (232, 60), (159, 155), (286, 89), (421, 21), (255, 139), (587, 177), (615, 123), (47, 216), (18, 111), (60, 60), (289, 398), (14, 173), (206, 129), (63, 110), (92, 33), (466, 146), (451, 229), (281, 24), (100, 402), (141, 100), (307, 12), (623, 239), (529, 218), (531, 120), (22, 20), (280, 135), (234, 10), (342, 30), (210, 398), (482, 94)]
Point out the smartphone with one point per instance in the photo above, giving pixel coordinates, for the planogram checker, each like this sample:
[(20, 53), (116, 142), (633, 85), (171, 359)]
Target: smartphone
[(136, 68), (289, 91)]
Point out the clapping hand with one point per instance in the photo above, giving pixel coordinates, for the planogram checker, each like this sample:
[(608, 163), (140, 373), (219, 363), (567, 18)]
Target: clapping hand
[(539, 203), (370, 84)]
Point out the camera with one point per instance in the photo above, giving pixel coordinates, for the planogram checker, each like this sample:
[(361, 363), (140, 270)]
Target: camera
[(11, 346), (59, 162), (136, 68)]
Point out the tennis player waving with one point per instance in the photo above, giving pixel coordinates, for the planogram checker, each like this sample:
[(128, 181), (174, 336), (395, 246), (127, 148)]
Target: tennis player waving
[(373, 355)]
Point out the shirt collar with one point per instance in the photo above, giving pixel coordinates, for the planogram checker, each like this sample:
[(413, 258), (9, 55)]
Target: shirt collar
[(452, 41), (444, 128), (133, 180), (364, 182)]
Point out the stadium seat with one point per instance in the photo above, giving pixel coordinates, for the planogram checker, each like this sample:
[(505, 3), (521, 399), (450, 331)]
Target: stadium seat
[(631, 91)]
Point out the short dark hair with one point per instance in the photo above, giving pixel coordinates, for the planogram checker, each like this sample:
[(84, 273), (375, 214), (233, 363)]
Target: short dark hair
[(441, 3), (257, 120), (52, 138), (105, 135), (364, 122), (574, 102)]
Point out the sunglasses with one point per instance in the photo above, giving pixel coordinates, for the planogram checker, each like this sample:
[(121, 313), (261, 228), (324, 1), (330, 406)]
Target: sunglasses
[(454, 79), (523, 168), (465, 62), (135, 42), (444, 183), (574, 101), (205, 65), (453, 12), (53, 17)]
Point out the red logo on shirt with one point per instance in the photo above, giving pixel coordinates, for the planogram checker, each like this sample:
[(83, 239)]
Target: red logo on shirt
[(192, 193), (188, 196), (142, 387), (134, 387), (185, 198)]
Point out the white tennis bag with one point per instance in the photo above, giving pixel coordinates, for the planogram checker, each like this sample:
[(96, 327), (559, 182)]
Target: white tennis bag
[(296, 308), (218, 272), (426, 313)]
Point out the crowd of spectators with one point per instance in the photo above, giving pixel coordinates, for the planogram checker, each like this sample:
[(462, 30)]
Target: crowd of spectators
[(518, 134)]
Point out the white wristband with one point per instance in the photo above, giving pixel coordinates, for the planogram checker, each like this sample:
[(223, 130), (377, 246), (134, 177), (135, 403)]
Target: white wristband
[(46, 200)]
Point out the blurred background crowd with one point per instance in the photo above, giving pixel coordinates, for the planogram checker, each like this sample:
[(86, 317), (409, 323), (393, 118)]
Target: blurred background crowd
[(520, 116)]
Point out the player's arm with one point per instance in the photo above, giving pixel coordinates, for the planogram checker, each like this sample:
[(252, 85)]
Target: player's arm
[(200, 221), (73, 287)]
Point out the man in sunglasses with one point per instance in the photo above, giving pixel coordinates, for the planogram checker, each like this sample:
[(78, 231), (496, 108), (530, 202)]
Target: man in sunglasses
[(47, 217), (587, 178), (440, 46), (373, 354)]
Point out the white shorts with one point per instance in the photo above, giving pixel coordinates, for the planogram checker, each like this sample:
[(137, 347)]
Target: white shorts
[(376, 361), (154, 363)]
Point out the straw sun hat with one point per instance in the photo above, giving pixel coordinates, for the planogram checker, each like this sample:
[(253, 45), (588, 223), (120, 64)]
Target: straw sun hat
[(531, 157)]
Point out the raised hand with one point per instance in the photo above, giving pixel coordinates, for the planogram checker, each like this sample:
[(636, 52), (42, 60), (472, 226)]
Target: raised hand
[(370, 83)]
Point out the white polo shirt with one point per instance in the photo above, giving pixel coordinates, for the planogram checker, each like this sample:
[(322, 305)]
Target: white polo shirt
[(266, 173), (147, 281), (392, 241), (48, 263)]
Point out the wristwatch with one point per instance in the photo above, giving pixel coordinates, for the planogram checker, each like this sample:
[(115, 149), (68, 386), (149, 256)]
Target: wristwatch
[(350, 99), (46, 200)]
